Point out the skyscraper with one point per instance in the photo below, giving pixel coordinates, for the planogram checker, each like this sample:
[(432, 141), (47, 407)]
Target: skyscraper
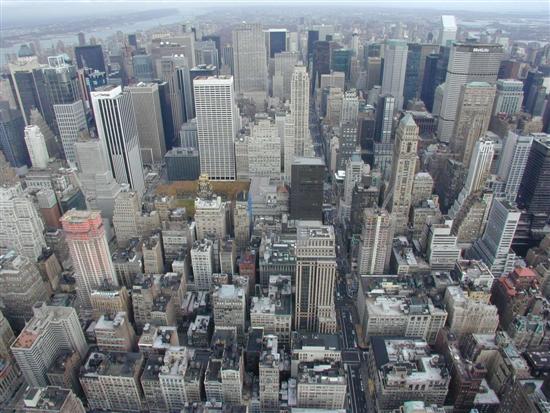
[(12, 140), (90, 56), (448, 29), (21, 228), (146, 101), (513, 161), (276, 41), (403, 170), (509, 96), (383, 133), (315, 273), (249, 60), (284, 63), (395, 66), (87, 242), (494, 246), (297, 128), (468, 62), (306, 191), (36, 145), (117, 130), (472, 121), (375, 239), (216, 126)]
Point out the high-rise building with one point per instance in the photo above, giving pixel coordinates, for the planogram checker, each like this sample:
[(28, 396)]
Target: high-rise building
[(315, 273), (350, 107), (306, 192), (320, 386), (513, 161), (142, 65), (403, 170), (468, 62), (71, 122), (36, 146), (21, 228), (473, 116), (21, 286), (284, 63), (12, 142), (439, 244), (264, 149), (447, 31), (494, 246), (216, 126), (297, 128), (249, 60), (276, 41), (202, 260), (228, 305), (210, 217), (125, 216), (175, 71), (269, 374), (146, 101), (117, 130), (375, 239), (96, 177), (509, 96), (416, 59), (395, 66), (241, 220), (87, 242), (90, 56), (51, 331), (383, 134), (51, 399)]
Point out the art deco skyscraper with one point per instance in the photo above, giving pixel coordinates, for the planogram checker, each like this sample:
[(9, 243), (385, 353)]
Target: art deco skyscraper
[(395, 66), (297, 127), (36, 145), (473, 117), (117, 130), (468, 62), (250, 61), (374, 241), (87, 242), (216, 126), (315, 273), (509, 96), (403, 170)]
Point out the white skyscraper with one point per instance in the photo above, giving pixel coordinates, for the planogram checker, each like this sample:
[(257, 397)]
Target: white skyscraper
[(509, 96), (448, 30), (71, 122), (117, 130), (284, 63), (89, 249), (36, 145), (264, 150), (494, 246), (250, 61), (374, 241), (512, 163), (202, 260), (145, 97), (350, 107), (21, 228), (395, 65), (297, 136), (216, 126), (468, 62)]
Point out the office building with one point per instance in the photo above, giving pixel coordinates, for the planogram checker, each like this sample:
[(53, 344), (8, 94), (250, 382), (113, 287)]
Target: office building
[(439, 244), (315, 273), (210, 218), (182, 164), (71, 122), (89, 250), (142, 66), (12, 140), (117, 130), (249, 61), (175, 72), (306, 194), (146, 101), (269, 365), (111, 381), (96, 177), (114, 333), (202, 261), (296, 134), (90, 56), (241, 220), (51, 399), (321, 386), (447, 31), (513, 161), (228, 305), (284, 63), (472, 119), (36, 146), (264, 150), (403, 170), (216, 126), (51, 331), (276, 41), (509, 96), (468, 62), (21, 286), (21, 228), (125, 216), (153, 262), (405, 369), (395, 66), (494, 246), (375, 239), (467, 315)]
